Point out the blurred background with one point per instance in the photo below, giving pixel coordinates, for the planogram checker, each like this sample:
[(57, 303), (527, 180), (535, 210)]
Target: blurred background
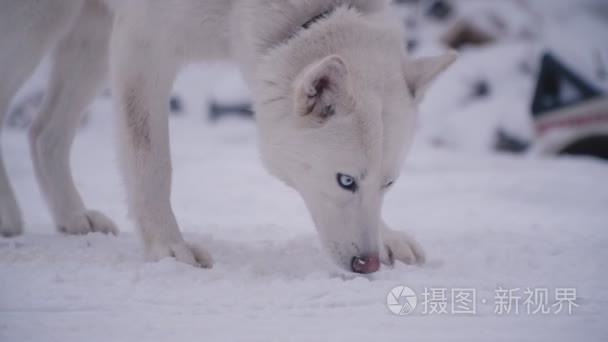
[(531, 78), (491, 191)]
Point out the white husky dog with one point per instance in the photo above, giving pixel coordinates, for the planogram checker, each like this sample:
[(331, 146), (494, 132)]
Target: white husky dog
[(334, 94)]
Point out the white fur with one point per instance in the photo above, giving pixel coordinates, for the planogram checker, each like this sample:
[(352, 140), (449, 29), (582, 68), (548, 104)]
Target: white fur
[(339, 97)]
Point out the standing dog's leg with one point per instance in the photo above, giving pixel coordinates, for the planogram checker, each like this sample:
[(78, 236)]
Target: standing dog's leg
[(79, 66), (143, 69), (27, 31)]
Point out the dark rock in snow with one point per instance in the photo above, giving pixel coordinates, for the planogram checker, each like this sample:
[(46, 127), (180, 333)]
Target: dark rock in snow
[(411, 45), (465, 33), (481, 88), (440, 10), (217, 110), (175, 105), (509, 143), (401, 2)]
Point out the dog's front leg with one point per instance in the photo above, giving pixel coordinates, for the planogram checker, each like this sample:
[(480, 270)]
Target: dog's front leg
[(398, 245), (142, 76)]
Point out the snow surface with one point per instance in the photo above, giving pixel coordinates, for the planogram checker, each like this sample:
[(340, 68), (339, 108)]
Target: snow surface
[(486, 221)]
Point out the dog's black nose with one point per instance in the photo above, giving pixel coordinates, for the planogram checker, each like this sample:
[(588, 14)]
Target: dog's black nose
[(366, 264)]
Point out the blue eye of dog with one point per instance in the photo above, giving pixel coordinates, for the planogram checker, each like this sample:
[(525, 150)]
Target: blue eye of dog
[(347, 182)]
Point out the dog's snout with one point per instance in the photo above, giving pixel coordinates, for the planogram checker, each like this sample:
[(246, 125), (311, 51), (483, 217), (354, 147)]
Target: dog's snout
[(365, 264)]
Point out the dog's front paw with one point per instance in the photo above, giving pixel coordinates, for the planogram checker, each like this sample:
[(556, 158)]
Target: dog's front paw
[(402, 247), (182, 252), (90, 221)]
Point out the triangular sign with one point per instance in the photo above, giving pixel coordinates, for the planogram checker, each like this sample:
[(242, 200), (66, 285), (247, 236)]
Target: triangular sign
[(559, 87)]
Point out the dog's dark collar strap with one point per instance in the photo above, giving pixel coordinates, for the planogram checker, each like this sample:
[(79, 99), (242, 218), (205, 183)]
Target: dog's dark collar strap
[(315, 19), (311, 22)]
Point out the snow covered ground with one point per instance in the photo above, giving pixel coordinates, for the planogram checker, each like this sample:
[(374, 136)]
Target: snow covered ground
[(486, 221), (489, 223)]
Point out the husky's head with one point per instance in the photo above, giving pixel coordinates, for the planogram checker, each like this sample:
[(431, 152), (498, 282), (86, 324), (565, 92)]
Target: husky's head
[(336, 129)]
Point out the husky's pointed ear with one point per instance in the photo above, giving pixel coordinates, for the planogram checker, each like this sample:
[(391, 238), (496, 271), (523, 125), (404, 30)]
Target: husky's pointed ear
[(321, 87), (420, 73)]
